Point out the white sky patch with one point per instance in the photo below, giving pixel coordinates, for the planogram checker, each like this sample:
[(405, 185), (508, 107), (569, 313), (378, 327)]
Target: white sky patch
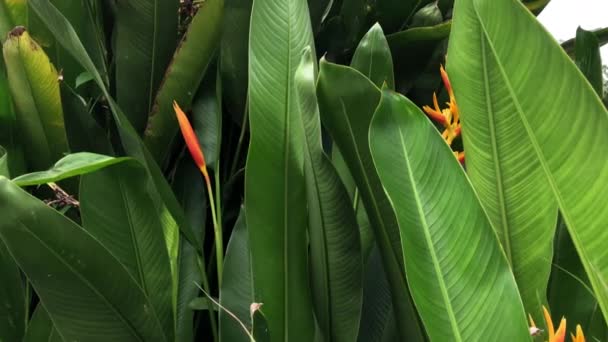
[(562, 17)]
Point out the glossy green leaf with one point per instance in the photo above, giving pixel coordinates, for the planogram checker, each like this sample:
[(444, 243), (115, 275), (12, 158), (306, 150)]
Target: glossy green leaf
[(207, 118), (190, 63), (146, 36), (318, 11), (40, 327), (236, 293), (347, 101), (131, 142), (373, 58), (8, 128), (588, 59), (34, 86), (274, 180), (428, 15), (12, 298), (87, 292), (117, 210), (69, 166), (234, 56), (457, 272), (335, 249), (560, 134)]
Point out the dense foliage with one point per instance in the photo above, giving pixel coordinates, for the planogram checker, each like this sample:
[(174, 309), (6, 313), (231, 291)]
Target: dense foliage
[(291, 170)]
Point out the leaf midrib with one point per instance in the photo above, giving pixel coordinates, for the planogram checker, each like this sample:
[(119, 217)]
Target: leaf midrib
[(429, 241)]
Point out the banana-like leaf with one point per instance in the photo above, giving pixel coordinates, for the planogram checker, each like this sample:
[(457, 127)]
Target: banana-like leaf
[(117, 210), (207, 117), (373, 58), (146, 36), (130, 140), (12, 13), (15, 162), (34, 85), (41, 328), (88, 293), (74, 164), (588, 59), (184, 75), (459, 277), (236, 294), (274, 181), (559, 134), (335, 248), (12, 310), (347, 101)]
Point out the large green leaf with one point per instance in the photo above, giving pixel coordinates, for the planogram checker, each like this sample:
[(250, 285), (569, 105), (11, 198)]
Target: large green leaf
[(274, 179), (373, 58), (185, 73), (87, 292), (145, 39), (131, 142), (549, 114), (335, 249), (117, 210), (34, 86), (236, 293), (8, 128), (347, 101), (40, 327), (588, 59), (457, 272), (12, 299)]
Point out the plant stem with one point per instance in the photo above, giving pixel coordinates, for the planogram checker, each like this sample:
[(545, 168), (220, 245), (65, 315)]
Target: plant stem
[(219, 244), (205, 283)]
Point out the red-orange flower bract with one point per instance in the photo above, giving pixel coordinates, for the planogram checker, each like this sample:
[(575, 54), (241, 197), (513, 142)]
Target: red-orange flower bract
[(191, 140)]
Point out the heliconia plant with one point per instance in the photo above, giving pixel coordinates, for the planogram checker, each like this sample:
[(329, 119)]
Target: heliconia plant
[(300, 170)]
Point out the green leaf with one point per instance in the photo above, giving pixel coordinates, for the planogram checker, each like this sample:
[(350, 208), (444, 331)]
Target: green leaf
[(373, 58), (184, 75), (234, 56), (12, 13), (347, 101), (335, 249), (588, 59), (8, 127), (88, 294), (146, 36), (12, 297), (131, 142), (117, 210), (560, 134), (393, 15), (236, 293), (69, 166), (34, 86), (207, 118), (274, 180), (40, 327), (428, 15), (445, 232)]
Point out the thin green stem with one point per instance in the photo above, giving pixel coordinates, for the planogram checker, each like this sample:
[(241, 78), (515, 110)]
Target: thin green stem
[(219, 245), (205, 283)]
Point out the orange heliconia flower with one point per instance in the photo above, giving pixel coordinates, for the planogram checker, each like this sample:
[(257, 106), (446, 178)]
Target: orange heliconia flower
[(448, 117), (560, 334), (191, 140)]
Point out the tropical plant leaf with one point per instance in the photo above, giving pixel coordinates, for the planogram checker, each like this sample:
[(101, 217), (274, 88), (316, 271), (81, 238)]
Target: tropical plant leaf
[(454, 292), (393, 15), (274, 179), (146, 36), (34, 86), (236, 293), (207, 118), (184, 75), (131, 142), (69, 166), (588, 59), (117, 211), (8, 128), (12, 13), (335, 249), (40, 327), (373, 58), (347, 101), (87, 292), (12, 310), (560, 135)]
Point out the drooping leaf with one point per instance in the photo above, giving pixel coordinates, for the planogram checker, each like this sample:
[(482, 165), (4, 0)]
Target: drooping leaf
[(274, 179), (347, 101), (335, 249), (457, 272), (560, 134), (69, 166), (373, 58), (184, 75), (236, 293), (117, 210), (588, 59), (88, 294), (130, 140), (146, 36), (34, 86)]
